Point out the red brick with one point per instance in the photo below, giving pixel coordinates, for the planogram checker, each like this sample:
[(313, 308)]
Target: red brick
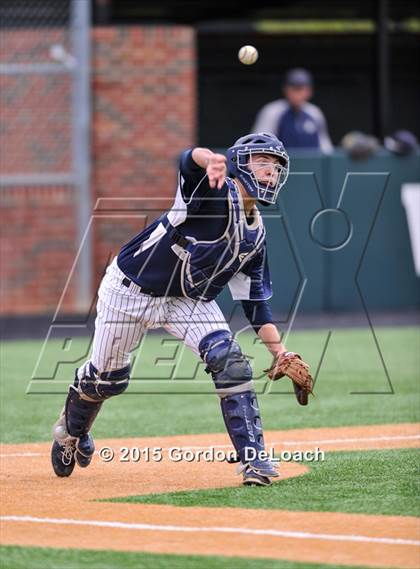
[(143, 107)]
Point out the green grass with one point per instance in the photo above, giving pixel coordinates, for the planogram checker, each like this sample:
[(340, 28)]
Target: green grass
[(42, 558), (351, 364), (371, 482), (375, 482)]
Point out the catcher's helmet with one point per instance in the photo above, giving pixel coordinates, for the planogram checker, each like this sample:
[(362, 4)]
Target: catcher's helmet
[(239, 155)]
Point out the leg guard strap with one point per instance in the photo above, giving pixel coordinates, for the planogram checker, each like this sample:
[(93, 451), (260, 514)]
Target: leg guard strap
[(230, 369), (94, 386)]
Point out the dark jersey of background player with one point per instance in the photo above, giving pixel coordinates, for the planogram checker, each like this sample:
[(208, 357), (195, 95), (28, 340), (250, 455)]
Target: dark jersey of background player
[(202, 213), (294, 120)]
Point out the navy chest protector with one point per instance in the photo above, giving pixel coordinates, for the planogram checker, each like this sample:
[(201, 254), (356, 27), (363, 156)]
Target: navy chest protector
[(207, 266)]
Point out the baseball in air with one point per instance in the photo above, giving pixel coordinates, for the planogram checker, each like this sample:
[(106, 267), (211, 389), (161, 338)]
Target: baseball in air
[(248, 54)]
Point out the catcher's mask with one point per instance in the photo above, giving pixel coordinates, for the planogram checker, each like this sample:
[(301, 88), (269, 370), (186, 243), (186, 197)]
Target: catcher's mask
[(244, 150)]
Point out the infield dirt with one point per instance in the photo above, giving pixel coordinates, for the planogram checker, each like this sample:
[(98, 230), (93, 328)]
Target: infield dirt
[(39, 509)]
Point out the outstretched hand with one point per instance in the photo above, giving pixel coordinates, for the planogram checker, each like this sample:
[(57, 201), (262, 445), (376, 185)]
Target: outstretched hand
[(216, 170)]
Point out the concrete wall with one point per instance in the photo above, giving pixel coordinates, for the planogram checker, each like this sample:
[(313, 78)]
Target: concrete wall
[(338, 238)]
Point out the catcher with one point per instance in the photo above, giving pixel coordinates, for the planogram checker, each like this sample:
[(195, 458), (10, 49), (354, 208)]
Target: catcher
[(169, 276)]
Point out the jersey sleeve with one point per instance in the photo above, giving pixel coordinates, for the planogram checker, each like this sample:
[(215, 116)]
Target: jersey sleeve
[(324, 137), (253, 281), (254, 290), (258, 313), (193, 181), (325, 143), (268, 118)]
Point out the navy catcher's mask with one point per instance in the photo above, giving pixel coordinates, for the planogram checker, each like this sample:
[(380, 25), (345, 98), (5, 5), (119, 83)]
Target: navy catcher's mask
[(239, 156)]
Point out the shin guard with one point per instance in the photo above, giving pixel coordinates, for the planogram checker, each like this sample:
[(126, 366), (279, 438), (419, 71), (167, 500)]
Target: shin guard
[(243, 423)]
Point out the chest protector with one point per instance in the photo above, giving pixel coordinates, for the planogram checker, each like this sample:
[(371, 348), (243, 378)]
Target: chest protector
[(207, 266)]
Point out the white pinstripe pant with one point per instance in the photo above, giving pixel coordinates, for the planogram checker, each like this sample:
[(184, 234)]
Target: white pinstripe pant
[(123, 314)]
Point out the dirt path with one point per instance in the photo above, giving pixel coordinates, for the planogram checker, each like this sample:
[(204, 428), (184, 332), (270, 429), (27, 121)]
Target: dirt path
[(41, 510)]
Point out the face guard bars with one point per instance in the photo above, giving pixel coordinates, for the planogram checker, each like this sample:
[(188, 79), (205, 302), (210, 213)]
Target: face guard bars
[(264, 192)]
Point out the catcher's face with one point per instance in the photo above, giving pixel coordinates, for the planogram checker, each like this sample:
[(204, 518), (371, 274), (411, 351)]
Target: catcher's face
[(265, 167)]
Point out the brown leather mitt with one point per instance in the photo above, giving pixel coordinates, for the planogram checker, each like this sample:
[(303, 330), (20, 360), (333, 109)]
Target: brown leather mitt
[(292, 365)]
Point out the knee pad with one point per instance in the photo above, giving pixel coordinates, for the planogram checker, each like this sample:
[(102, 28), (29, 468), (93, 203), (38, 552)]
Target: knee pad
[(86, 396), (230, 369)]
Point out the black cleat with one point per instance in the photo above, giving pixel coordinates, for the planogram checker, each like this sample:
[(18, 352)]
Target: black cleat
[(68, 450), (259, 473), (253, 478), (62, 457)]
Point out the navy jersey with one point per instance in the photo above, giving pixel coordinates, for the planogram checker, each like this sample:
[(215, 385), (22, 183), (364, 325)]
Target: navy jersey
[(203, 243), (298, 129), (303, 128)]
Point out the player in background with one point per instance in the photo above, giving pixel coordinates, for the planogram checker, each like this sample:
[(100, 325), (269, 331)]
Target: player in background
[(169, 276), (293, 119)]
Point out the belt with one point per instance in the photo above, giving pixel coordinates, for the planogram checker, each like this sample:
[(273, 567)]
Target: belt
[(127, 282)]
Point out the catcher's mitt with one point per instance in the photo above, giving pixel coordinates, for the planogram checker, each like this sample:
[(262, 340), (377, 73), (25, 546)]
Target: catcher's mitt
[(292, 365)]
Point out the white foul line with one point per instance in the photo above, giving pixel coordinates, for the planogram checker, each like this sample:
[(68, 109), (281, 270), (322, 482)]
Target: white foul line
[(192, 529), (317, 441), (354, 440), (23, 454)]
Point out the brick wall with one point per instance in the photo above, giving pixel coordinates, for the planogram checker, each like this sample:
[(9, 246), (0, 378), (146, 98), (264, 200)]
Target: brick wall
[(37, 238), (143, 103), (36, 123), (143, 117)]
